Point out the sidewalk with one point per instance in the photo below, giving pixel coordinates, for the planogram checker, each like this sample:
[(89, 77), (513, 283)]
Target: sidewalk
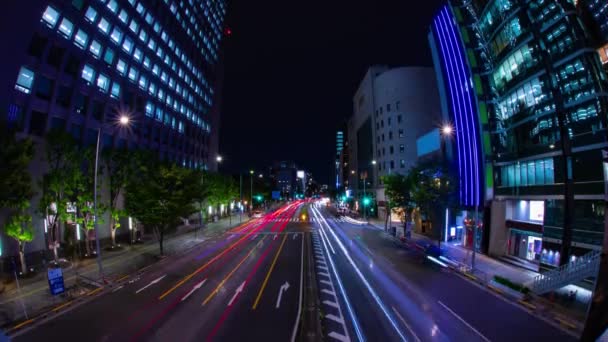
[(487, 267), (34, 293)]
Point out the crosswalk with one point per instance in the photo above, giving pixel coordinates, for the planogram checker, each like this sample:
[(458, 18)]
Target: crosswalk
[(308, 219)]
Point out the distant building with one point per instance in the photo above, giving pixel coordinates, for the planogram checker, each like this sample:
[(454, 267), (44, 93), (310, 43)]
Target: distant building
[(285, 180), (339, 149), (392, 108)]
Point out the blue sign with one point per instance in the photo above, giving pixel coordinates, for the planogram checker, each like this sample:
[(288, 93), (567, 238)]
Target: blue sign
[(276, 195), (55, 277)]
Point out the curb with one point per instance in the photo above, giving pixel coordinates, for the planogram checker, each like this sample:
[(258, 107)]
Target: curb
[(526, 304), (565, 323)]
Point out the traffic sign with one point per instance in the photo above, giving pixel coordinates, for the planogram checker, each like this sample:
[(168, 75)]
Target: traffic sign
[(55, 277)]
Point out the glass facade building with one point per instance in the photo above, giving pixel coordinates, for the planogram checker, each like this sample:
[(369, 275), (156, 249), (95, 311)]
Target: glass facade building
[(542, 102), (80, 64)]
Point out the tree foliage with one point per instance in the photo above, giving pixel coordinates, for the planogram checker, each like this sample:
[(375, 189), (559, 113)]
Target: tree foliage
[(121, 165), (161, 195), (15, 180), (220, 189)]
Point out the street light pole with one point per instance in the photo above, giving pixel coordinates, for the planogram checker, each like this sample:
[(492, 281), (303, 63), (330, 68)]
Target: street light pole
[(251, 188), (97, 246), (364, 197), (241, 201)]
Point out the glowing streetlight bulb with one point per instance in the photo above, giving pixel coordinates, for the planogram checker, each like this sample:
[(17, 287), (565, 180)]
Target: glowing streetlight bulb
[(447, 130), (218, 159), (124, 120)]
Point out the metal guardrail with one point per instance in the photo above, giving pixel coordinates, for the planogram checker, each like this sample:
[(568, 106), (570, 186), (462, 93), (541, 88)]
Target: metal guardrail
[(583, 267)]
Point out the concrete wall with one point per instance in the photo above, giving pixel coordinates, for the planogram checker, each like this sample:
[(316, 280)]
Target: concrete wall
[(498, 230)]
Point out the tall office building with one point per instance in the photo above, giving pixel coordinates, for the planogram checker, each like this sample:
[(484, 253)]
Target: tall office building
[(78, 65), (522, 80), (339, 148)]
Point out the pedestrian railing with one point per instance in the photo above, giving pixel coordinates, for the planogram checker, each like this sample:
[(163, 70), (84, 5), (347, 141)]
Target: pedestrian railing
[(583, 267)]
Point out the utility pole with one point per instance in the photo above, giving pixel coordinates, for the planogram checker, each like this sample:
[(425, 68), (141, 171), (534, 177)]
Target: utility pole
[(251, 189), (241, 201)]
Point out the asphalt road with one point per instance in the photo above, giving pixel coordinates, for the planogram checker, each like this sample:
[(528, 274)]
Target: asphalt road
[(226, 289), (394, 294), (246, 286)]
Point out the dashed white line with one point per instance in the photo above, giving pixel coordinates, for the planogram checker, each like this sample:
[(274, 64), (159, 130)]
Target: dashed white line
[(334, 318), (338, 337), (330, 303), (409, 328)]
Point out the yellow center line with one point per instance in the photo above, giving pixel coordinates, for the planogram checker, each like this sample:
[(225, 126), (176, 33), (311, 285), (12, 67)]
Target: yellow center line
[(95, 291), (274, 261), (217, 288), (62, 305), (123, 277), (21, 324), (198, 270)]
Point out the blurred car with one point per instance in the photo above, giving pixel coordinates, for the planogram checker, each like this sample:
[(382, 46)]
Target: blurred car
[(257, 214)]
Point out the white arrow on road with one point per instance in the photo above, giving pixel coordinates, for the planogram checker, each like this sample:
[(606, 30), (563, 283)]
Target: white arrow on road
[(283, 288), (151, 283), (194, 288), (275, 237), (295, 235), (238, 290)]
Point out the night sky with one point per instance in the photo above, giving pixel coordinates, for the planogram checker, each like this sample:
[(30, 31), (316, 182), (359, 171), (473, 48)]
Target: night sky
[(292, 67)]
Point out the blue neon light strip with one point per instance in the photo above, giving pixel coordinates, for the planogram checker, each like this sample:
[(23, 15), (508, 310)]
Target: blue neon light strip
[(463, 108)]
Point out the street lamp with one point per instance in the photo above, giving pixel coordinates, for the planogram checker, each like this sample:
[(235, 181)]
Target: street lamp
[(251, 188), (124, 121), (218, 159), (374, 162), (447, 129), (260, 175)]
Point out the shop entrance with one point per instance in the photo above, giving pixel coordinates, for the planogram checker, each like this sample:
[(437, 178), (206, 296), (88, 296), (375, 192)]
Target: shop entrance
[(525, 245)]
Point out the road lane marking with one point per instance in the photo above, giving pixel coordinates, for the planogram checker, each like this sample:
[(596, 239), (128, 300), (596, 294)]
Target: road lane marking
[(329, 292), (274, 261), (295, 235), (323, 274), (409, 328), (338, 337), (194, 288), (330, 303), (122, 278), (118, 288), (334, 318), (219, 286), (325, 282), (295, 325), (236, 293), (21, 324), (95, 291), (283, 288), (200, 269), (151, 283), (464, 322), (61, 306)]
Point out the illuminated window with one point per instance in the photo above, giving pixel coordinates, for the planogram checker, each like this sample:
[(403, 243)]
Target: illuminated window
[(25, 79), (116, 35), (146, 62), (149, 18), (137, 54), (81, 39), (163, 77), (155, 69), (157, 28), (149, 109), (143, 82), (66, 28), (133, 74), (95, 48), (115, 93), (152, 89), (152, 44), (127, 45), (133, 26), (161, 94), (123, 16), (143, 36), (140, 8), (121, 67), (88, 74), (50, 16), (108, 56), (91, 14), (104, 26), (103, 83), (113, 6)]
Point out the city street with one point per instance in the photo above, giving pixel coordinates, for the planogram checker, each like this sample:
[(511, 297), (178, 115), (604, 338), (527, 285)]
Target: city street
[(387, 292), (250, 277)]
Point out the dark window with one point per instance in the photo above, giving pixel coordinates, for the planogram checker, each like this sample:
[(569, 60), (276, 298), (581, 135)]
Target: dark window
[(402, 163), (78, 4), (391, 150), (58, 123), (390, 135), (91, 137), (379, 154), (383, 137), (38, 123), (55, 56), (15, 117), (97, 110), (400, 133), (107, 141), (401, 148), (389, 121), (382, 123), (383, 151), (76, 131), (377, 126), (37, 45), (80, 104), (63, 96), (397, 105), (72, 66), (44, 88), (392, 164), (388, 107), (398, 117), (127, 98)]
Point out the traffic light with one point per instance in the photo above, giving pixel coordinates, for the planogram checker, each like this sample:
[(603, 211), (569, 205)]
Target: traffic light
[(366, 201), (258, 198)]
